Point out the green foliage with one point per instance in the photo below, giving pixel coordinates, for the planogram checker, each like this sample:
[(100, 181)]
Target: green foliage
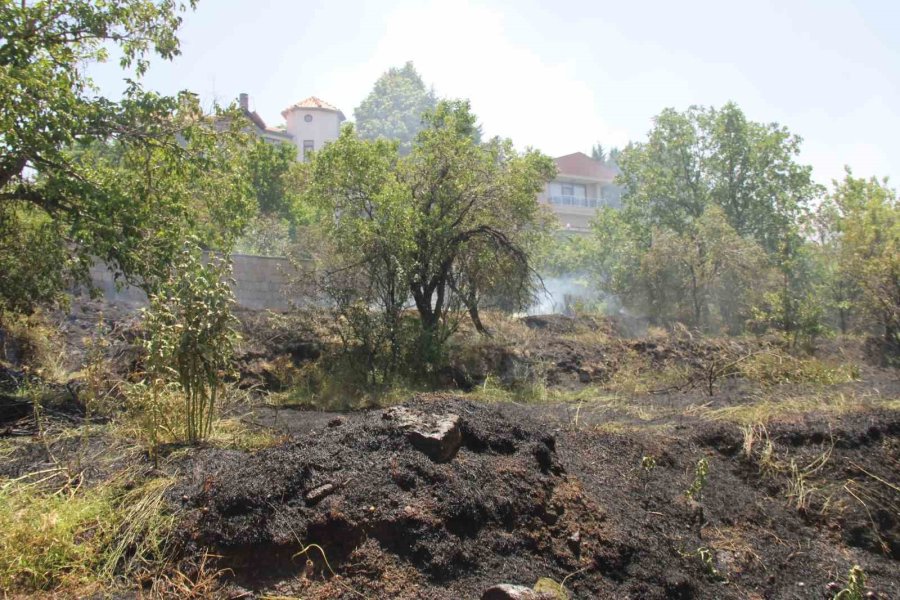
[(395, 108), (30, 258), (701, 472), (85, 178), (270, 169), (78, 537), (191, 334), (856, 585), (565, 254), (711, 215), (266, 235), (863, 234), (447, 228)]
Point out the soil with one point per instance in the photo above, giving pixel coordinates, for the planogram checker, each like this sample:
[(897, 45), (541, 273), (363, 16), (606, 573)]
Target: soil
[(528, 496)]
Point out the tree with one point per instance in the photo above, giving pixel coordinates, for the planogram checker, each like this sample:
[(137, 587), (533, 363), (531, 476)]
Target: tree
[(395, 107), (441, 229), (703, 158), (598, 152), (708, 277), (90, 178), (866, 233), (270, 167)]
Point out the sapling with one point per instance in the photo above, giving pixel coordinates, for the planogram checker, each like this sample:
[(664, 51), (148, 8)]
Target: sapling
[(191, 335), (856, 585), (695, 492)]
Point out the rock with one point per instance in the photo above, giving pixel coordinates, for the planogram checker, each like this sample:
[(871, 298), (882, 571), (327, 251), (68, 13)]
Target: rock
[(438, 436), (317, 493), (508, 591)]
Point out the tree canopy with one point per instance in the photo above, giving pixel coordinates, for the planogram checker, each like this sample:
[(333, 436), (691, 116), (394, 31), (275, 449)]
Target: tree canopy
[(706, 182), (85, 177), (440, 229), (395, 107), (862, 234)]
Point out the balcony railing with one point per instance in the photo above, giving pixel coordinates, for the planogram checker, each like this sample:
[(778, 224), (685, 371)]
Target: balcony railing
[(578, 201)]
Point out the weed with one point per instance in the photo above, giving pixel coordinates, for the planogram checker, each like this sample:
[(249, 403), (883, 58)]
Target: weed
[(707, 559), (701, 472), (771, 406), (856, 585), (33, 343)]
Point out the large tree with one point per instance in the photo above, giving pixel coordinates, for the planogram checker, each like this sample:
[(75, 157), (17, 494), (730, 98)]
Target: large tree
[(443, 229), (395, 107), (864, 238), (692, 162), (86, 177)]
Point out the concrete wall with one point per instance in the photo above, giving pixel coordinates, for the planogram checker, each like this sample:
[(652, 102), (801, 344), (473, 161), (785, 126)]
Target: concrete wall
[(261, 282)]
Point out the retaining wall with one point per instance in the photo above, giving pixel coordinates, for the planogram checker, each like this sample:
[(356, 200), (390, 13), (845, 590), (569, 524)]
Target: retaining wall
[(260, 282)]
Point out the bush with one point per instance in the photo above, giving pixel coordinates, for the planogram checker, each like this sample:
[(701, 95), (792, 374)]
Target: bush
[(191, 333)]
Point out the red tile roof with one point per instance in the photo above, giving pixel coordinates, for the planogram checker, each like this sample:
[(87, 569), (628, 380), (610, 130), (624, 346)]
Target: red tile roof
[(580, 164), (313, 102)]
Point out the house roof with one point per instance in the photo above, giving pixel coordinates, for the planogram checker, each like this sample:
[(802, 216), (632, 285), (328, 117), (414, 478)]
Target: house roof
[(313, 103), (257, 120), (579, 164)]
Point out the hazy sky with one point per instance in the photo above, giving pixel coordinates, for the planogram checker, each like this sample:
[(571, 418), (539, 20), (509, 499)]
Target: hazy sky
[(561, 75)]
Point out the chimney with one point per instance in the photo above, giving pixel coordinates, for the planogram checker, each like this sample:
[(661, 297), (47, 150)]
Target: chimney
[(244, 101)]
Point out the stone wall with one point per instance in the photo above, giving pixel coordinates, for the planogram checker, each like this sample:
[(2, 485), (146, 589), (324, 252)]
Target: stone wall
[(261, 282)]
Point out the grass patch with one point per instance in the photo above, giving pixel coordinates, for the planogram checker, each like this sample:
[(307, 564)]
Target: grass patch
[(772, 407), (774, 368), (78, 537)]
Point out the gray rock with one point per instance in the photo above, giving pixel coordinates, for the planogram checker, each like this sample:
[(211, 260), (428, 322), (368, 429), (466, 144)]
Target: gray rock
[(438, 436)]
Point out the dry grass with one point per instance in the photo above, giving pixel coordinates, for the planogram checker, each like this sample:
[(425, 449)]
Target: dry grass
[(771, 406), (74, 537)]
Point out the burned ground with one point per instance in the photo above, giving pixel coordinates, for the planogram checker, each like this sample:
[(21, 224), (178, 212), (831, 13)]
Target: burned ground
[(585, 484), (528, 496)]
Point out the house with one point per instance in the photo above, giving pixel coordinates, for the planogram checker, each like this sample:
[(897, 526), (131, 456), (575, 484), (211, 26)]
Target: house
[(309, 124), (582, 186)]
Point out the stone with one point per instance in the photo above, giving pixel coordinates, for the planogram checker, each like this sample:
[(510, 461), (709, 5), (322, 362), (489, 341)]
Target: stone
[(316, 494), (508, 591), (437, 436)]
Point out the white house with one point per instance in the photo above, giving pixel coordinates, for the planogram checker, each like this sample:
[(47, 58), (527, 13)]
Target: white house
[(581, 187), (309, 124)]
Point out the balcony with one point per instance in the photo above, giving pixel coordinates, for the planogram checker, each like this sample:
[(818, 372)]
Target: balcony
[(576, 201)]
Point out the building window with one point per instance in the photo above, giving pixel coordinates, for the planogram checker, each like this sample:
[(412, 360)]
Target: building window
[(308, 146), (308, 118)]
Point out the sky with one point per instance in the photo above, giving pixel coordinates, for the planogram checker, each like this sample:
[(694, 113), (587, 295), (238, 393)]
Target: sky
[(560, 76)]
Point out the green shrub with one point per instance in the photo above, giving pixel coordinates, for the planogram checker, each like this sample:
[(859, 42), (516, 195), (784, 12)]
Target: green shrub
[(191, 333)]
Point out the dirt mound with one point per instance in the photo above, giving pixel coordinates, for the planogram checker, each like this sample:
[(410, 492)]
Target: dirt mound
[(392, 520)]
